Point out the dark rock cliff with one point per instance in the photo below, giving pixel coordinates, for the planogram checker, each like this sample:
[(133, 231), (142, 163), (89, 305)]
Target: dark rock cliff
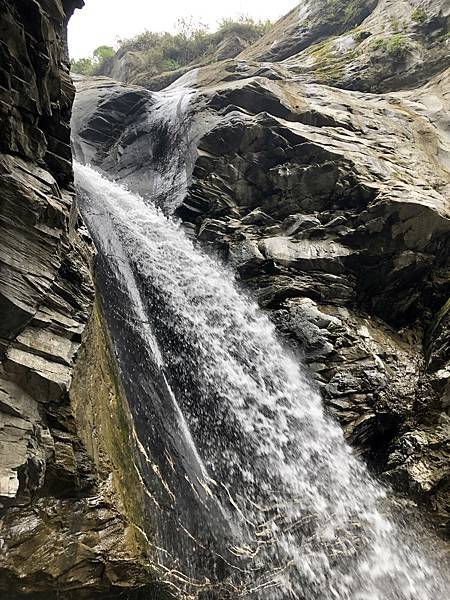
[(65, 525), (45, 288)]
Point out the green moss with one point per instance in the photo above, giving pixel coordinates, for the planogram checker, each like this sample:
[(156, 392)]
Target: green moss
[(359, 35), (398, 46), (325, 61), (346, 10), (330, 65), (419, 15), (105, 425), (378, 44), (323, 51), (120, 437), (351, 11)]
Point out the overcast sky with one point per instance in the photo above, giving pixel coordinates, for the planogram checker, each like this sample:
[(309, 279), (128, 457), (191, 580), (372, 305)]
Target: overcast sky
[(104, 21)]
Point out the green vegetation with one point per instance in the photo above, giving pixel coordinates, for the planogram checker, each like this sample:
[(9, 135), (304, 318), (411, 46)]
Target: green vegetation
[(191, 42), (346, 10), (330, 64), (419, 15), (103, 53), (244, 27), (106, 426), (352, 9), (359, 35), (89, 66), (163, 51), (377, 44), (82, 66), (397, 46)]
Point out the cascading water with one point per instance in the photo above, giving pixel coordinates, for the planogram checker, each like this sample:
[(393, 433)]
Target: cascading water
[(253, 487)]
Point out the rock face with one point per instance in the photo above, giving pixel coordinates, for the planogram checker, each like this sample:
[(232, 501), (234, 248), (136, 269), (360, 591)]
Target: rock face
[(45, 286), (366, 45), (307, 24), (398, 44), (332, 206), (66, 528), (130, 64)]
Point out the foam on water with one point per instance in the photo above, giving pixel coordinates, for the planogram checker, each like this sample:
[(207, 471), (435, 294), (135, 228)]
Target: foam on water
[(308, 521)]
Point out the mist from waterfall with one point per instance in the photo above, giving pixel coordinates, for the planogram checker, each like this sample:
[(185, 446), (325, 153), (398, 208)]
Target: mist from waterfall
[(285, 507)]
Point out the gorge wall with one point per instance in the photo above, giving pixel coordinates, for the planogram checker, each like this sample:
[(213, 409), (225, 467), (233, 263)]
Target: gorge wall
[(67, 525)]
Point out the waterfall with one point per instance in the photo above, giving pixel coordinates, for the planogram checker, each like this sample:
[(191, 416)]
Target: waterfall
[(252, 488)]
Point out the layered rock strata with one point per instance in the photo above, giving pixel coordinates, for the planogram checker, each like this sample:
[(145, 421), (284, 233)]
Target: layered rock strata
[(67, 527)]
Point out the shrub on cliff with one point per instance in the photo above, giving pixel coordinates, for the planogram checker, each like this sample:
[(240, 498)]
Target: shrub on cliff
[(82, 66), (245, 27), (164, 51), (89, 66), (398, 46)]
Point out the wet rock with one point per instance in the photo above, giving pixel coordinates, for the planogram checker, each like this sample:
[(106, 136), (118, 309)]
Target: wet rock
[(45, 287), (418, 465), (331, 206), (65, 531), (257, 217), (321, 255), (246, 257), (298, 224), (229, 47), (210, 230)]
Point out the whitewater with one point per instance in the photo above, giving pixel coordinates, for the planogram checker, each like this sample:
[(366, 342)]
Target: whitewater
[(300, 515)]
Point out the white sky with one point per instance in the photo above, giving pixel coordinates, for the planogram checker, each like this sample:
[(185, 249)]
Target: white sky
[(105, 21)]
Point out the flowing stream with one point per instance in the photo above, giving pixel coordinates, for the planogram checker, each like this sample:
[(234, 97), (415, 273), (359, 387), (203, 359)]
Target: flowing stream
[(252, 489)]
